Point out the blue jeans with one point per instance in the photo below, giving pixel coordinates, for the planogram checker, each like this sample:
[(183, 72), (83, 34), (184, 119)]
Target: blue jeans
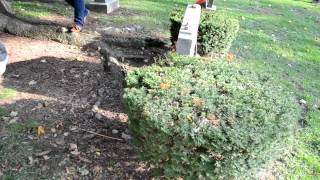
[(80, 11)]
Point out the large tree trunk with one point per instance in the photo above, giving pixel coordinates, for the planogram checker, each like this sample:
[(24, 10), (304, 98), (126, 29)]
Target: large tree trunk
[(11, 24)]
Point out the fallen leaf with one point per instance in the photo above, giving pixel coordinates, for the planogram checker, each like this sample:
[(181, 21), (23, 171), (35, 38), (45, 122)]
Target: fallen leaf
[(97, 169), (33, 82), (98, 153), (45, 157), (42, 153), (184, 92), (197, 101), (164, 86), (40, 131), (75, 152), (302, 101), (125, 136), (13, 114), (83, 171), (230, 56), (84, 159), (14, 120), (213, 120), (189, 117), (73, 146), (30, 158), (53, 130), (115, 131), (43, 61)]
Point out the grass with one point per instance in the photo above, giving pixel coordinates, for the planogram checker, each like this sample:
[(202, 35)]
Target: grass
[(7, 93), (34, 9), (15, 151), (152, 15), (279, 37)]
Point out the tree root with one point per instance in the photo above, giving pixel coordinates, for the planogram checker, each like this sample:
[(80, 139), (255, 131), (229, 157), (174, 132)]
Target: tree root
[(11, 24)]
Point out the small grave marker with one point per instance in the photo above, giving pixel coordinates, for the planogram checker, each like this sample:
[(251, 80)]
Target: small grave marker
[(188, 33), (107, 6), (3, 59), (210, 5)]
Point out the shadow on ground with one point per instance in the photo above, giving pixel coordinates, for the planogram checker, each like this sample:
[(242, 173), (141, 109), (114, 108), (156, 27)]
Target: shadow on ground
[(69, 98)]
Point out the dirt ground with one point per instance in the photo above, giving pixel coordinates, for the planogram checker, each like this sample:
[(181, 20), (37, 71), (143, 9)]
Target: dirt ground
[(65, 90)]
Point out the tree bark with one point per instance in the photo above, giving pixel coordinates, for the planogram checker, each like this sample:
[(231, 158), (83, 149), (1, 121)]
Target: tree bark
[(11, 24)]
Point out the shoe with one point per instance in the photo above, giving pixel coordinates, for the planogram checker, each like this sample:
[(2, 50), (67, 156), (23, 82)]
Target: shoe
[(75, 28)]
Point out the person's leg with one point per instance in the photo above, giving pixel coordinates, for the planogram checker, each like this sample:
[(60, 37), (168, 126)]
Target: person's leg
[(80, 12)]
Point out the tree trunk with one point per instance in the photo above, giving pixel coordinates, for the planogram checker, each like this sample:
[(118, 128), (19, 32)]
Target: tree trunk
[(11, 24)]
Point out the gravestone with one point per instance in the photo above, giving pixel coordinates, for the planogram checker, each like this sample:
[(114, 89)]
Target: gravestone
[(210, 5), (107, 6), (3, 59), (187, 39)]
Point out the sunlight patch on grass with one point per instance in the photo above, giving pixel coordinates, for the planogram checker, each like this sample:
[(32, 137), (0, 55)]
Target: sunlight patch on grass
[(7, 93), (35, 9)]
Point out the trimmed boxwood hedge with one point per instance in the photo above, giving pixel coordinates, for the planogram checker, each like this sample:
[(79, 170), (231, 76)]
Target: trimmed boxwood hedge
[(216, 31), (206, 119)]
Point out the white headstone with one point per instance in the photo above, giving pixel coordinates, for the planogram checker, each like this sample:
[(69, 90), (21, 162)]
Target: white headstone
[(188, 33), (3, 59), (107, 6)]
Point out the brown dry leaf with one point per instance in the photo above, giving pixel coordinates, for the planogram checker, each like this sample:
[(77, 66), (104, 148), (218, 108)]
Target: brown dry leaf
[(167, 158), (197, 101), (216, 156), (42, 153), (83, 159), (184, 92), (213, 120), (164, 86), (189, 117), (97, 169), (40, 131), (230, 56)]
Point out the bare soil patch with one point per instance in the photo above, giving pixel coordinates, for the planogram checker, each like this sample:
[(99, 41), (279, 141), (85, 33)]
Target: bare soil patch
[(67, 91)]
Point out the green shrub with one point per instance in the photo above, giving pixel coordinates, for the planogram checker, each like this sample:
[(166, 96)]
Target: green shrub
[(206, 119), (176, 19), (216, 31)]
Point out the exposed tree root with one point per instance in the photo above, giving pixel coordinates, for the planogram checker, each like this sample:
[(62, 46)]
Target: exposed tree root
[(11, 24)]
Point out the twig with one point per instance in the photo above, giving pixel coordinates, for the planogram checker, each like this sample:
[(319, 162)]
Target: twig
[(108, 137)]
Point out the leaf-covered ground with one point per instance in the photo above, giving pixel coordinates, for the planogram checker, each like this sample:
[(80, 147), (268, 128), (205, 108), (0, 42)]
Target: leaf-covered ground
[(57, 105)]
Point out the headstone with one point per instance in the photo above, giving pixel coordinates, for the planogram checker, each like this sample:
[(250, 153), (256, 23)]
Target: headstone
[(210, 5), (3, 59), (188, 33), (107, 6)]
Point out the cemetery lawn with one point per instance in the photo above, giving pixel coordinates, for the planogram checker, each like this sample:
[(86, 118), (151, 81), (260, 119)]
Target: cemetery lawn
[(278, 37)]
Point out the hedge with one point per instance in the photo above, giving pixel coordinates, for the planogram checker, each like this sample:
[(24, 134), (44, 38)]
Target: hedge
[(206, 120), (216, 31)]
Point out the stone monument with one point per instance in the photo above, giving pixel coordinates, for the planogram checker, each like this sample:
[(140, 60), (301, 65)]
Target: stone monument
[(187, 39), (3, 59), (210, 5), (107, 6)]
